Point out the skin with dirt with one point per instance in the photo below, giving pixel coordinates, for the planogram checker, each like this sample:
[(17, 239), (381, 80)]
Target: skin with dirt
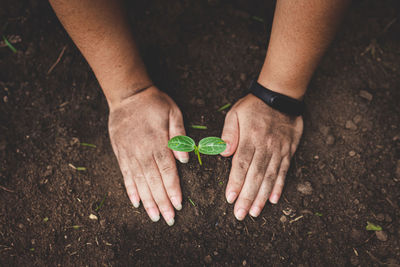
[(203, 54)]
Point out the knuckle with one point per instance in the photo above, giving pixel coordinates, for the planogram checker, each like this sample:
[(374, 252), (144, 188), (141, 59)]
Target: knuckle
[(242, 164), (167, 169)]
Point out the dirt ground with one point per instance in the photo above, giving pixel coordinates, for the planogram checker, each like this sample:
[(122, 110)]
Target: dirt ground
[(204, 54)]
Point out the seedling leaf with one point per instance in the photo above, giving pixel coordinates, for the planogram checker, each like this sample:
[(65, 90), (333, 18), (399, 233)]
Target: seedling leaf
[(9, 45), (224, 107), (199, 127), (89, 145), (181, 143), (211, 145), (373, 227)]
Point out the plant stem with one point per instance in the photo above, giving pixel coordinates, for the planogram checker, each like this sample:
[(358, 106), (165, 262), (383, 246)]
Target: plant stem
[(196, 151)]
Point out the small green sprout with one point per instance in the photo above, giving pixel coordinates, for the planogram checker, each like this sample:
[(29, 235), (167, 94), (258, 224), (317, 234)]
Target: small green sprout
[(208, 146), (318, 214), (224, 107), (191, 202), (45, 219), (89, 145), (373, 227), (76, 227), (12, 48), (199, 127), (101, 204)]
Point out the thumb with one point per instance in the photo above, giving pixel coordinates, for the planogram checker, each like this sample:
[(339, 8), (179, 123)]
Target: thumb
[(176, 128), (230, 134)]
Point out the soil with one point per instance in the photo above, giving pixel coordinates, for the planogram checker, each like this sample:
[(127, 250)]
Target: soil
[(204, 54)]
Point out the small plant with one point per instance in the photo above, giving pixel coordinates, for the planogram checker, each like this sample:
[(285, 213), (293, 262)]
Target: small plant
[(207, 146)]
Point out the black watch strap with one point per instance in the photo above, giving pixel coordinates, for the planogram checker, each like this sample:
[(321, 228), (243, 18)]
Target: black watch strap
[(277, 101)]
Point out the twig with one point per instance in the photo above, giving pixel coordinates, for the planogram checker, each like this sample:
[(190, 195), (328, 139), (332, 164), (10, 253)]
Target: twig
[(6, 189), (58, 60), (296, 219)]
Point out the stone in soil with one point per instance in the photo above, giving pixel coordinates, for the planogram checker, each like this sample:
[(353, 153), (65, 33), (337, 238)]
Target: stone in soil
[(357, 119), (351, 125), (366, 95), (305, 188), (381, 235), (330, 140)]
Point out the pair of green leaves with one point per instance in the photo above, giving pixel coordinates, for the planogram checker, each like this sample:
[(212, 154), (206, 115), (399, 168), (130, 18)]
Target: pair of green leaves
[(209, 145)]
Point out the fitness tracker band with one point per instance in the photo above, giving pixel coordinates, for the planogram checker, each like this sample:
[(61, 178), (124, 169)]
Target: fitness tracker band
[(283, 103)]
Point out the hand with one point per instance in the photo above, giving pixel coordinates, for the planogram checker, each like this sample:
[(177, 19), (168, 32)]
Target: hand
[(140, 127), (264, 140)]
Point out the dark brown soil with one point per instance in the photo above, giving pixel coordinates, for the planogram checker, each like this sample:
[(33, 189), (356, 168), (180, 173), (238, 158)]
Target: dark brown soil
[(204, 54)]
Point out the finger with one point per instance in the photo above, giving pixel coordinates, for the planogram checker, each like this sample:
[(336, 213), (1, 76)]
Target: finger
[(155, 183), (252, 183), (230, 133), (280, 181), (129, 182), (240, 164), (144, 191), (266, 186), (169, 175), (176, 128)]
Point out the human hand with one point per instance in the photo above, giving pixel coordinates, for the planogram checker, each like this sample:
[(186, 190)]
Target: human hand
[(140, 127), (263, 140)]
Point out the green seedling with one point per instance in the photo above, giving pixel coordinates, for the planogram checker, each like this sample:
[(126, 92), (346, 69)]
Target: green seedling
[(373, 227), (12, 48), (199, 127), (89, 145), (101, 204), (207, 146), (191, 202), (224, 107)]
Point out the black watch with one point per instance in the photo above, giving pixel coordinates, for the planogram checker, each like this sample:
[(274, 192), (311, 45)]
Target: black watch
[(277, 101)]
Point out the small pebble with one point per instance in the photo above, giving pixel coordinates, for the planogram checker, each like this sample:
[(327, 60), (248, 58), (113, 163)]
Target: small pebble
[(283, 219), (352, 153), (366, 95), (93, 217), (350, 125), (305, 188), (244, 263), (357, 119), (330, 140), (381, 235), (208, 259)]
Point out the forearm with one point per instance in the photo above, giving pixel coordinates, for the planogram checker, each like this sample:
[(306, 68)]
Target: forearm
[(301, 32), (101, 32)]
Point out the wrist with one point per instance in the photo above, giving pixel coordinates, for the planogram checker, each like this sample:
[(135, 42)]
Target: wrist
[(115, 97), (282, 82)]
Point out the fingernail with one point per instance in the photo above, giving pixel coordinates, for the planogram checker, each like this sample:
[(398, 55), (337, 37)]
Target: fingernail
[(240, 214), (226, 150), (231, 197), (154, 215), (177, 204), (274, 199), (169, 218), (136, 204), (255, 211), (184, 160)]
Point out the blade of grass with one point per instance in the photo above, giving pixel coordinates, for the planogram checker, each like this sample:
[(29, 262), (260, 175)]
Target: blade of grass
[(199, 127), (89, 145), (9, 45), (101, 204), (81, 168), (191, 202), (224, 107), (258, 19)]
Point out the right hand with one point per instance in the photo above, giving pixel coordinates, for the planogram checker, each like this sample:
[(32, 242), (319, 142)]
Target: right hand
[(140, 127)]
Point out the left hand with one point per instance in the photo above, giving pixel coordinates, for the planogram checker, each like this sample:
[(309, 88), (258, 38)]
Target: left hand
[(263, 140)]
